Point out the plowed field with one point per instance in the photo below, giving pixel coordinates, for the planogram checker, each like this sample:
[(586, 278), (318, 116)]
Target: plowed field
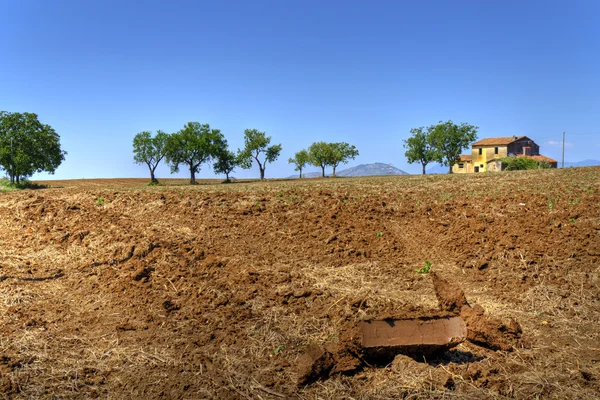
[(112, 289)]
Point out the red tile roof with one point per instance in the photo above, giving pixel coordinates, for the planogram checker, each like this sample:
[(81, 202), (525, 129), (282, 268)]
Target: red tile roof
[(466, 157), (493, 141)]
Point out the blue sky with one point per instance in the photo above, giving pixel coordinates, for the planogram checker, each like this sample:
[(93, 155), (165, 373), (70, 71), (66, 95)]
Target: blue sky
[(364, 72)]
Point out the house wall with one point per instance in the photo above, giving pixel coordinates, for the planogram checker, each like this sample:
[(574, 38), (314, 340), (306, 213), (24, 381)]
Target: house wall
[(467, 168), (494, 166), (517, 147), (487, 153)]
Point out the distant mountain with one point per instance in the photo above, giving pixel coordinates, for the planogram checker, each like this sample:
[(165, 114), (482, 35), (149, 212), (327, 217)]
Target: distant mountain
[(584, 163), (371, 170), (360, 170), (437, 169)]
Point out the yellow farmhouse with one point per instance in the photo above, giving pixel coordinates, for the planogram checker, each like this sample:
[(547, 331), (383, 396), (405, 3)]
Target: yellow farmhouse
[(486, 154)]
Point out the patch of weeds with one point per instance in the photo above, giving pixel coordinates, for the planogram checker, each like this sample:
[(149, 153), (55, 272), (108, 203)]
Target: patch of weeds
[(426, 269), (153, 183), (5, 185), (572, 220), (100, 201), (446, 196), (279, 349), (379, 234)]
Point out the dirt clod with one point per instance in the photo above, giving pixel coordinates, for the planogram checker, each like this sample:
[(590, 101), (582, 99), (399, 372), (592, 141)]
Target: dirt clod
[(450, 297), (491, 332), (316, 363)]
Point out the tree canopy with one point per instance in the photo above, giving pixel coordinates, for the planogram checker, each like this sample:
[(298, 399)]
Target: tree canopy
[(27, 146), (341, 153), (225, 161), (322, 154), (300, 160), (193, 145), (419, 147), (257, 146), (150, 150), (319, 155), (449, 139)]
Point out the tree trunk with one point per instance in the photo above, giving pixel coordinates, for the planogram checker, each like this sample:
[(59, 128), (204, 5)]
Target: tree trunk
[(192, 175), (424, 165), (449, 168), (300, 172), (152, 177), (226, 176), (322, 171), (262, 173), (333, 175), (17, 179)]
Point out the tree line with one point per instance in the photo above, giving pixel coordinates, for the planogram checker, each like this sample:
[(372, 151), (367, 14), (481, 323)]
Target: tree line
[(322, 154), (27, 146), (196, 144)]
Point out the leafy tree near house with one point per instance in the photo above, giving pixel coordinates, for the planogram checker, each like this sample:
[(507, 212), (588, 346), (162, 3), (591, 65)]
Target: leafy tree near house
[(300, 160), (419, 147), (449, 139), (226, 162), (193, 146), (341, 153), (319, 155), (150, 150), (27, 146), (257, 146)]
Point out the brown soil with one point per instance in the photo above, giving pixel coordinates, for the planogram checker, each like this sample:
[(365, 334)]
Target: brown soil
[(215, 291)]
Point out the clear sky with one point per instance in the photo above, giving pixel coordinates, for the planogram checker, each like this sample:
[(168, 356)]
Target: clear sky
[(364, 72)]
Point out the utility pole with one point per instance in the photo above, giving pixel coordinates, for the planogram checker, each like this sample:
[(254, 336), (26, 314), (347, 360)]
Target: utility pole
[(563, 151)]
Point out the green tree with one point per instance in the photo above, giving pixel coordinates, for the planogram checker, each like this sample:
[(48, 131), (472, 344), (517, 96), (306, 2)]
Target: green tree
[(193, 145), (300, 160), (449, 139), (319, 154), (341, 153), (419, 147), (257, 146), (226, 161), (27, 146), (150, 150)]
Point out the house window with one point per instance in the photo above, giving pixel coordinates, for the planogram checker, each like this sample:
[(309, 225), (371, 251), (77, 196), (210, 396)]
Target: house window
[(461, 165), (480, 151), (481, 165), (495, 150)]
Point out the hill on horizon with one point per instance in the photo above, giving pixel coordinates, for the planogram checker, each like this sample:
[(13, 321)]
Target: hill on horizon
[(372, 169)]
